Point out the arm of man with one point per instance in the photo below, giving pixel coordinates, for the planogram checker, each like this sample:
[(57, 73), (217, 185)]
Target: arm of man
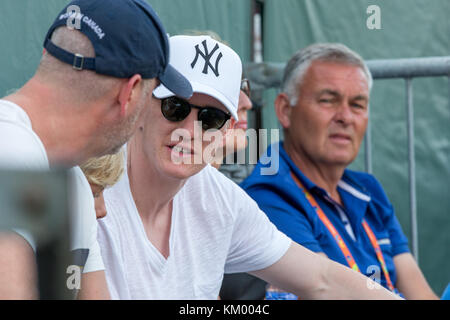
[(18, 276), (94, 286), (312, 276), (410, 280), (84, 229)]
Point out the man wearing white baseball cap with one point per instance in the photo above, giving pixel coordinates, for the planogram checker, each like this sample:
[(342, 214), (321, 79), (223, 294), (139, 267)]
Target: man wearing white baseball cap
[(174, 227)]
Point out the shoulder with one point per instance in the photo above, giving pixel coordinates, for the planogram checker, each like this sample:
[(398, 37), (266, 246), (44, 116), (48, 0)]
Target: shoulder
[(362, 178), (79, 178), (215, 186), (212, 190), (213, 181), (83, 221), (22, 148), (271, 189), (83, 215), (81, 186), (366, 183), (271, 171)]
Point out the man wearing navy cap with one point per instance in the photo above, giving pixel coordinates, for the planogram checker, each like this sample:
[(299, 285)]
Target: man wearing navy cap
[(339, 213), (102, 60)]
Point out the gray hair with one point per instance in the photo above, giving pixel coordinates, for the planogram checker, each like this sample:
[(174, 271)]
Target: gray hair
[(299, 63)]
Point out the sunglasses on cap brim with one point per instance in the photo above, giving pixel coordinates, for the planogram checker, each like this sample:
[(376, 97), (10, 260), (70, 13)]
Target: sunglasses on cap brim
[(176, 109)]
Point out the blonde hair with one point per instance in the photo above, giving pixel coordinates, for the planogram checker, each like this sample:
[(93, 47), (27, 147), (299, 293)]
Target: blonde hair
[(104, 171), (212, 34)]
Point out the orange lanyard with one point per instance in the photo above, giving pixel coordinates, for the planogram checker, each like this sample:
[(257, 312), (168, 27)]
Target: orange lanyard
[(340, 242), (379, 254)]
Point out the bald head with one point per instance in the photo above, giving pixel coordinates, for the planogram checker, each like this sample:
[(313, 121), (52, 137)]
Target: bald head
[(80, 86)]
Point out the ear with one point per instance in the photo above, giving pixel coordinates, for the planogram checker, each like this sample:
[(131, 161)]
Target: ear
[(128, 92), (283, 109)]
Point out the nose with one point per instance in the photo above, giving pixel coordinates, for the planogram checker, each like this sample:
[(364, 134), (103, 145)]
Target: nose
[(191, 124), (244, 102), (189, 131), (100, 208), (344, 113)]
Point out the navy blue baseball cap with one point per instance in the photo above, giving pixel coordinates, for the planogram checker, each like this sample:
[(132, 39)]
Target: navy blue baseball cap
[(128, 39)]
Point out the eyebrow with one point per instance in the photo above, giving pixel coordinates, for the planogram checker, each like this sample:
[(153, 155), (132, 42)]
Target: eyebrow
[(328, 91), (361, 97), (337, 94)]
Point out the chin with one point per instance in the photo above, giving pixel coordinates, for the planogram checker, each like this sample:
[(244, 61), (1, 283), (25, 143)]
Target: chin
[(343, 160), (116, 149), (182, 171), (109, 151)]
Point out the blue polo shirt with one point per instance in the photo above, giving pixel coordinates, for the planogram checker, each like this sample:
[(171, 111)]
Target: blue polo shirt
[(362, 196)]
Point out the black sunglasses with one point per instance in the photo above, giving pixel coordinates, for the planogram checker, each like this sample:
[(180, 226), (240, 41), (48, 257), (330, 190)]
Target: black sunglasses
[(176, 109)]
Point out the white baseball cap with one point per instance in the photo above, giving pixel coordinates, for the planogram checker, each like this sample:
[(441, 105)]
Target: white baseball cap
[(211, 67)]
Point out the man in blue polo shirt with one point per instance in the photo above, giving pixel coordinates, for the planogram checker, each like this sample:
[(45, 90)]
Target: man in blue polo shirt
[(342, 214)]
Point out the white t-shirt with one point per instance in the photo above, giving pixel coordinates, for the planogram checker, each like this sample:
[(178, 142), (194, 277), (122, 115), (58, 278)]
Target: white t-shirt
[(21, 148), (216, 228)]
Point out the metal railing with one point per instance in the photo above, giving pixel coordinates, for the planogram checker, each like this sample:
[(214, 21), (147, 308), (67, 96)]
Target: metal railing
[(268, 75)]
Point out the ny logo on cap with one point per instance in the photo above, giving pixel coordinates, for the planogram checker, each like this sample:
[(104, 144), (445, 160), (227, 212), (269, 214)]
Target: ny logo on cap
[(207, 57)]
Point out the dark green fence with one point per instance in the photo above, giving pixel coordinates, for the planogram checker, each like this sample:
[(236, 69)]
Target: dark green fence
[(409, 29)]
